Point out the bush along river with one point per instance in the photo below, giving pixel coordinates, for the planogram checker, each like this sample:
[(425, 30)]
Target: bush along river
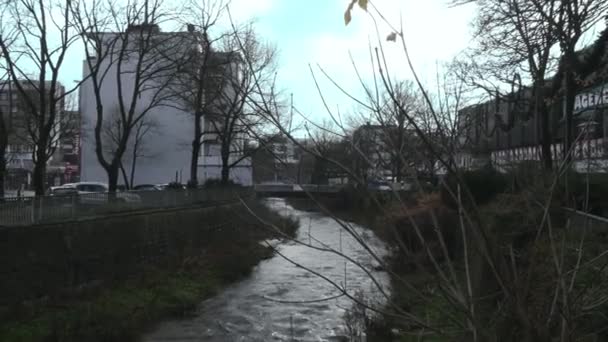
[(282, 301)]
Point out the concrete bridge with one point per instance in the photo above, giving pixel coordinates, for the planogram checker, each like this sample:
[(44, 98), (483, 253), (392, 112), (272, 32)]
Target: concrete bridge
[(295, 190)]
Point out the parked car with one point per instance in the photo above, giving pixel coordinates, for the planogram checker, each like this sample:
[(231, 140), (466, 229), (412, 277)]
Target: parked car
[(379, 185), (148, 187), (87, 193), (62, 191), (172, 186)]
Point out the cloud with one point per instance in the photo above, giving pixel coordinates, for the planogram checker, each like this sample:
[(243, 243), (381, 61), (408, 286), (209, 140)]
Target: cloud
[(434, 34), (243, 10)]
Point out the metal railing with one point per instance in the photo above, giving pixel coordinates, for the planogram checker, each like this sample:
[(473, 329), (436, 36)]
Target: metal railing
[(48, 209)]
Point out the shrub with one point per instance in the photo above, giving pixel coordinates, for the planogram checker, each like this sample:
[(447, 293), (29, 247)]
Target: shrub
[(216, 183), (483, 184), (572, 190), (175, 186)]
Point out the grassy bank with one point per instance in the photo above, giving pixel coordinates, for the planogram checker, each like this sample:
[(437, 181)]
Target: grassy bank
[(386, 218), (519, 233), (122, 310)]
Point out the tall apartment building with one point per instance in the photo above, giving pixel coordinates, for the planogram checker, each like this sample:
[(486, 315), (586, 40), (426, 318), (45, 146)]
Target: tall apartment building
[(19, 121), (165, 150)]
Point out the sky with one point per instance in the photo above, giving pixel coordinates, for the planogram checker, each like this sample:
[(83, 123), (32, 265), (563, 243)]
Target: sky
[(313, 33)]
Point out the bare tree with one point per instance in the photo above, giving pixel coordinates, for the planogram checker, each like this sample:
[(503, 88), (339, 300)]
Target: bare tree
[(569, 20), (397, 133), (138, 151), (496, 289), (40, 41), (515, 39), (234, 114), (136, 63), (142, 131), (196, 89)]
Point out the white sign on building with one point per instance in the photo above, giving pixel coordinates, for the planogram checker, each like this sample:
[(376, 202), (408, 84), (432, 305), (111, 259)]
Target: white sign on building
[(590, 99)]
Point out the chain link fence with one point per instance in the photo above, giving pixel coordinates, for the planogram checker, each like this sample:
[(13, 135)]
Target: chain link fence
[(25, 211)]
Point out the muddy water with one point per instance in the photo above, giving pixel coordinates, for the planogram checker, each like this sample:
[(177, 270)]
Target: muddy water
[(282, 302)]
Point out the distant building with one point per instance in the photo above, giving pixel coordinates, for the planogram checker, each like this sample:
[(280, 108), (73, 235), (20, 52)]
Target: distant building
[(373, 157), (386, 152), (225, 66), (16, 111), (70, 145), (277, 161), (507, 132)]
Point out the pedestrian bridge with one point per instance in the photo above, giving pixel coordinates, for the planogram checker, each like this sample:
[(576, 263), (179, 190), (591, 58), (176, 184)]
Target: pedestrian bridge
[(295, 190)]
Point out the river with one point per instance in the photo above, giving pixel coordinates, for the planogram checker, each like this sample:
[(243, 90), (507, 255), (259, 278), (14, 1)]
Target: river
[(282, 302)]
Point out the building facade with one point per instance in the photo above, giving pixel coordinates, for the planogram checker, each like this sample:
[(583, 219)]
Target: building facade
[(223, 122), (279, 160), (507, 131), (163, 153), (16, 111)]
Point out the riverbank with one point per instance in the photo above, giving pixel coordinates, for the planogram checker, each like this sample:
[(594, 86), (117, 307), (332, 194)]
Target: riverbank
[(283, 300), (445, 282), (123, 309), (387, 220)]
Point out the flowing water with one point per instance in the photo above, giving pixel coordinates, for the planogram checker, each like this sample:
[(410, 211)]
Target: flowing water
[(282, 302)]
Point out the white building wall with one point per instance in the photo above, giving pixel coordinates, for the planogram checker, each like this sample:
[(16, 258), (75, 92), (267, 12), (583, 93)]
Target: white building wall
[(168, 147)]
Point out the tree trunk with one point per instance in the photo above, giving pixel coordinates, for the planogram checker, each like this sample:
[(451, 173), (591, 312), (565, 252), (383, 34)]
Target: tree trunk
[(398, 168), (131, 183), (569, 96), (113, 177), (545, 134), (39, 176), (225, 174), (225, 152), (124, 176), (196, 149), (2, 172), (545, 139), (400, 142)]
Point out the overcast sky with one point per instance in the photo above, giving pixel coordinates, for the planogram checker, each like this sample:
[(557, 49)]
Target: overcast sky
[(313, 32)]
